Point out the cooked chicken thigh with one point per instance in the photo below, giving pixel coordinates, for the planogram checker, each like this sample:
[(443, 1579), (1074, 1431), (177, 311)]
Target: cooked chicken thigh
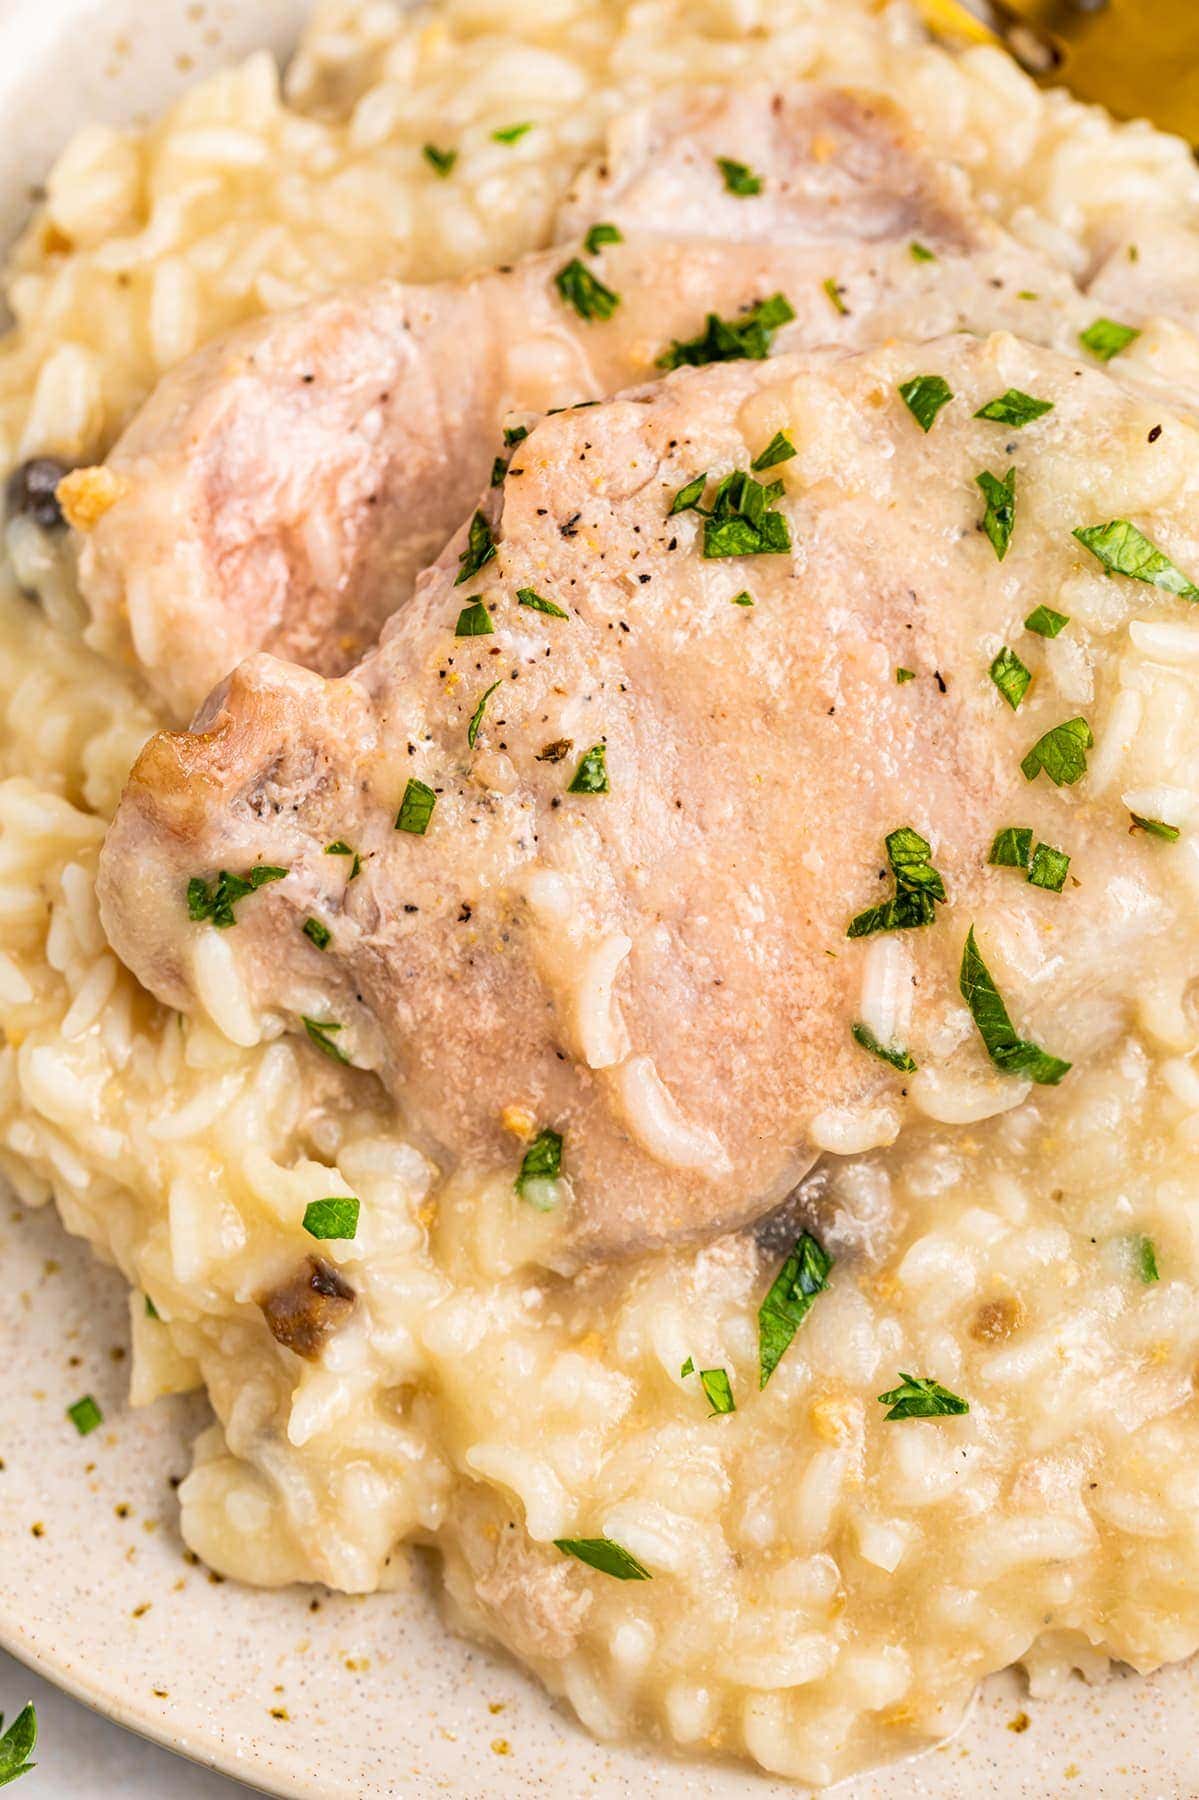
[(576, 849), (283, 487)]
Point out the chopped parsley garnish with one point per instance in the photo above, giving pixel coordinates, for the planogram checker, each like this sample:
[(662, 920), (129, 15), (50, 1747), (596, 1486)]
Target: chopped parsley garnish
[(1045, 622), (472, 730), (1011, 1054), (591, 776), (499, 469), (416, 808), (1048, 868), (780, 449), (511, 134), (515, 434), (1062, 753), (441, 161), (1147, 1260), (341, 848), (689, 495), (924, 396), (1123, 550), (744, 598), (738, 177), (788, 1301), (920, 1397), (1010, 676), (729, 340), (320, 1032), (528, 597), (902, 675), (541, 1163), (836, 294), (1105, 338), (1012, 848), (584, 291), (336, 1217), (152, 1311), (17, 1746), (921, 252), (319, 934), (85, 1415), (718, 1391), (918, 886), (688, 1368), (474, 621), (1000, 515), (1156, 828), (889, 1053), (602, 234), (605, 1555), (1014, 408), (480, 548), (741, 520), (215, 904)]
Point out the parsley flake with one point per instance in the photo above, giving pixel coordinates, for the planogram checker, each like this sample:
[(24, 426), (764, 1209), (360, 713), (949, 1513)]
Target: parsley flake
[(341, 848), (921, 252), (718, 1391), (1147, 1261), (1123, 550), (334, 1218), (1048, 868), (472, 730), (739, 178), (918, 886), (788, 1301), (1014, 408), (591, 776), (604, 1554), (474, 621), (215, 904), (511, 134), (318, 933), (744, 598), (1062, 753), (688, 497), (1010, 676), (902, 675), (537, 603), (924, 396), (742, 520), (1045, 622), (441, 161), (499, 469), (584, 291), (480, 548), (998, 521), (1010, 1054), (920, 1397), (836, 294), (1105, 338), (320, 1033), (1011, 848), (888, 1053), (780, 449), (602, 234), (729, 340), (515, 434), (1156, 828), (416, 808), (85, 1415)]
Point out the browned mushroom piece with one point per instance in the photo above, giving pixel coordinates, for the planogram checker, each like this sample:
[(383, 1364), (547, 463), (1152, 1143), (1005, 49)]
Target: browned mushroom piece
[(304, 1311)]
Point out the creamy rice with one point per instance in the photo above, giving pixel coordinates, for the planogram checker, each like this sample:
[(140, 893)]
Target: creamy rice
[(826, 1590)]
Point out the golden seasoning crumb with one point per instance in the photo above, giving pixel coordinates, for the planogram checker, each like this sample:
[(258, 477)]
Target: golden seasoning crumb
[(519, 1121), (1071, 1771), (51, 1266), (903, 1715), (281, 1712), (85, 495), (496, 1706), (160, 1693), (357, 1665), (831, 1419), (1019, 1723), (122, 1509), (592, 1344), (139, 1612), (996, 1320), (38, 1530), (55, 242), (501, 1746)]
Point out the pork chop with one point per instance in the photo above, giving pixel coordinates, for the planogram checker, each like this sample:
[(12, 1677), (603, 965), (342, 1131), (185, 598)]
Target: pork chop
[(283, 487), (578, 846)]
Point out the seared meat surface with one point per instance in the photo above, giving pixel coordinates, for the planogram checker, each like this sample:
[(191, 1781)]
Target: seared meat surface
[(606, 861), (283, 487)]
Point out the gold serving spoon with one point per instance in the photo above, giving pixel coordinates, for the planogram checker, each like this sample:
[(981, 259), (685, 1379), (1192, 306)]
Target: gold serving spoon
[(1139, 58)]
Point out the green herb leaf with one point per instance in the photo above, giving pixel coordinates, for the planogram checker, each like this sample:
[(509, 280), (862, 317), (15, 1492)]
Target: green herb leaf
[(1012, 848), (499, 469), (889, 1053), (788, 1302), (602, 234), (1010, 677), (729, 340), (1014, 408), (318, 933), (1011, 1054), (836, 294), (1062, 753), (744, 598), (215, 905), (1147, 1260), (511, 134), (920, 253), (472, 730), (320, 1033), (924, 396), (1123, 550), (718, 1391), (738, 177), (902, 675), (17, 1746), (688, 1368), (1045, 622), (1048, 868), (341, 848), (1000, 516), (515, 434), (687, 499), (591, 776), (1156, 828), (474, 621), (584, 291), (151, 1310), (780, 449), (541, 1163), (85, 1415), (416, 808), (920, 1397), (1105, 338), (336, 1217), (480, 548), (605, 1555), (527, 597), (441, 161), (742, 522), (918, 885)]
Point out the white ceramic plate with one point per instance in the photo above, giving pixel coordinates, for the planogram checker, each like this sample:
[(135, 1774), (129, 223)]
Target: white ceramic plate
[(302, 1693)]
